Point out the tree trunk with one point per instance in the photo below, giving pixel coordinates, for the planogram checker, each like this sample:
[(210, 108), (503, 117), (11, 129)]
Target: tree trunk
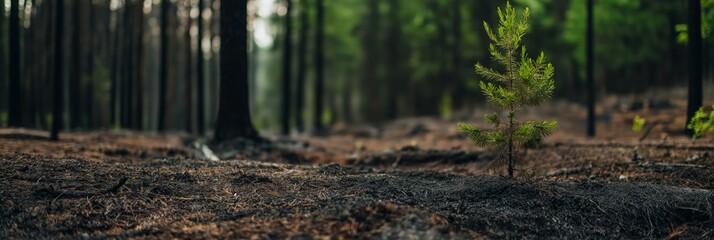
[(590, 69), (58, 70), (200, 83), (188, 111), (127, 73), (302, 66), (163, 65), (394, 62), (139, 69), (114, 98), (287, 70), (695, 94), (3, 77), (319, 67), (15, 105), (234, 108), (76, 71), (457, 83)]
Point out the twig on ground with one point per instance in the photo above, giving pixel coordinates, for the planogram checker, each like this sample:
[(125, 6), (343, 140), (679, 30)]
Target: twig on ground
[(80, 194)]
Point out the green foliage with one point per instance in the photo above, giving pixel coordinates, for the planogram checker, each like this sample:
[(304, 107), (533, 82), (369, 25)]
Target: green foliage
[(525, 83), (707, 19), (702, 123), (630, 28), (638, 123)]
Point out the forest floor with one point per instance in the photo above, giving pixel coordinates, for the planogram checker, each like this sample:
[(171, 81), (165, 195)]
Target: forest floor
[(412, 178)]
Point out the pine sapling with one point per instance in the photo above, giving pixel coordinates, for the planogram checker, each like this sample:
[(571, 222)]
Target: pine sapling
[(525, 83)]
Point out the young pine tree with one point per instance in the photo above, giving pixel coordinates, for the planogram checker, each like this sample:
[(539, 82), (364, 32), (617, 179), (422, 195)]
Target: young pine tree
[(525, 83)]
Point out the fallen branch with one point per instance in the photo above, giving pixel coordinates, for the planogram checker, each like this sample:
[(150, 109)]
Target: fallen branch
[(79, 194)]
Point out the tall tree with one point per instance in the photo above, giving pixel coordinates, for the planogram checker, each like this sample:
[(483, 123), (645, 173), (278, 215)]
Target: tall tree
[(287, 70), (234, 109), (163, 65), (2, 57), (14, 89), (139, 57), (302, 65), (58, 70), (590, 61), (200, 83), (695, 94), (189, 70), (319, 67), (116, 52), (457, 86), (76, 74)]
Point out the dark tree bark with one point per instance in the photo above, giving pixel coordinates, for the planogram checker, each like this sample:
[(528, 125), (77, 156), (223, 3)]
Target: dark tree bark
[(139, 69), (88, 96), (59, 82), (302, 66), (76, 71), (3, 77), (590, 58), (127, 73), (694, 26), (189, 72), (234, 108), (29, 100), (163, 68), (319, 67), (14, 109), (394, 66), (116, 52), (200, 83), (287, 70), (457, 83), (371, 86)]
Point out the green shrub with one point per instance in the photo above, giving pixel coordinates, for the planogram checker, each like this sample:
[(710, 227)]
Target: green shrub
[(702, 123), (638, 123)]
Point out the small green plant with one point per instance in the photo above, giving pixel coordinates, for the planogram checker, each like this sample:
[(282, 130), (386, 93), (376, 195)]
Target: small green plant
[(638, 123), (702, 123), (525, 83)]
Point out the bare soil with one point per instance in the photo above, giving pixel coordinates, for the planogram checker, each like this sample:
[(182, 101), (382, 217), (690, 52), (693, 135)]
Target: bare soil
[(413, 179)]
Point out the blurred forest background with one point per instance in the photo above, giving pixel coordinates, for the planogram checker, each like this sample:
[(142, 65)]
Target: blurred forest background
[(383, 59)]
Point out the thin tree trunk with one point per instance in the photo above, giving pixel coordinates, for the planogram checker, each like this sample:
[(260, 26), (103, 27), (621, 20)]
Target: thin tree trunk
[(15, 117), (394, 65), (189, 73), (694, 26), (139, 70), (457, 83), (3, 77), (76, 71), (88, 108), (319, 67), (234, 109), (287, 70), (59, 82), (27, 75), (163, 68), (200, 82), (590, 69), (127, 74), (114, 100), (302, 66)]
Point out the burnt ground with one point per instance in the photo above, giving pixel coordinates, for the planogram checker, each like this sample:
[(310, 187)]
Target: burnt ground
[(413, 178)]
